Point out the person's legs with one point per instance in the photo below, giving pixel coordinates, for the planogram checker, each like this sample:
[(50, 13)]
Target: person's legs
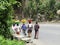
[(24, 32), (37, 35), (29, 33)]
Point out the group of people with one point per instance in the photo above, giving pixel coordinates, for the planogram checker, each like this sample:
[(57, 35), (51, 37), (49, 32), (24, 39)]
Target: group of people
[(17, 29)]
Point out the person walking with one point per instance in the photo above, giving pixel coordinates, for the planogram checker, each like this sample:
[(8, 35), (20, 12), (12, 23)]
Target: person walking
[(18, 28), (36, 28), (24, 27), (30, 26)]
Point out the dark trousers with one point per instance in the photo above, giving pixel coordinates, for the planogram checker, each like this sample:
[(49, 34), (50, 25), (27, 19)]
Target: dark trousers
[(24, 32), (36, 31)]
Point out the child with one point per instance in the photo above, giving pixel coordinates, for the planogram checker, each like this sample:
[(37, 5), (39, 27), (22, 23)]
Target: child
[(18, 29), (29, 29), (36, 28), (14, 28), (24, 28)]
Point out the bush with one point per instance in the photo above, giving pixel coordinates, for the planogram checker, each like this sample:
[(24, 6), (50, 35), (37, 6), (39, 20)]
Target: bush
[(6, 15), (5, 18), (10, 42)]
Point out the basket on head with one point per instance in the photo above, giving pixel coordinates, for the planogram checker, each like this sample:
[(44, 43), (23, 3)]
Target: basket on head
[(30, 21), (23, 20)]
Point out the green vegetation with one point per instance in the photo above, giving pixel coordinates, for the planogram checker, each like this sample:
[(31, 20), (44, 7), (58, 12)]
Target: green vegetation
[(48, 8), (27, 8), (6, 15), (10, 42)]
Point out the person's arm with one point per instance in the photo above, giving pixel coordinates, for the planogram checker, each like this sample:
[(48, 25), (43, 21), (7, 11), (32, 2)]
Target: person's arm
[(34, 27), (38, 26), (28, 26), (21, 26)]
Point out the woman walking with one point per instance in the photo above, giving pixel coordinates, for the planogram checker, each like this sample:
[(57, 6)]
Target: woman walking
[(30, 26), (24, 27)]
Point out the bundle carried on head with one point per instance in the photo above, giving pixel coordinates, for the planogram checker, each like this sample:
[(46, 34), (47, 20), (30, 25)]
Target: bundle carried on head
[(23, 20), (29, 20), (17, 22)]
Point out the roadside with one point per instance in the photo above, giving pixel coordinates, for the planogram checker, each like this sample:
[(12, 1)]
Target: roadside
[(49, 22), (49, 34)]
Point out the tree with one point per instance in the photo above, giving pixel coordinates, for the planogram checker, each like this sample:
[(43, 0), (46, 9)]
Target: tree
[(6, 15), (44, 7)]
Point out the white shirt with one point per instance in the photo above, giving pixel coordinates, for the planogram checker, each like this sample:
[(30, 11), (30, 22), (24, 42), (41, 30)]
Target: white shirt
[(30, 25)]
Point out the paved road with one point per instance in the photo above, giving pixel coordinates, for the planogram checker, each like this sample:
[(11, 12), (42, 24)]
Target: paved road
[(49, 34)]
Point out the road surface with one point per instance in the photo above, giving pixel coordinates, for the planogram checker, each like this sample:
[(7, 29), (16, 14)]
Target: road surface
[(49, 34)]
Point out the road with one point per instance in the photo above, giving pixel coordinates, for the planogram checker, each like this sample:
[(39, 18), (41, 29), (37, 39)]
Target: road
[(49, 34)]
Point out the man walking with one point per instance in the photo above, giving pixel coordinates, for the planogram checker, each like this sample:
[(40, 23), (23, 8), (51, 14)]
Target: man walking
[(36, 28)]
